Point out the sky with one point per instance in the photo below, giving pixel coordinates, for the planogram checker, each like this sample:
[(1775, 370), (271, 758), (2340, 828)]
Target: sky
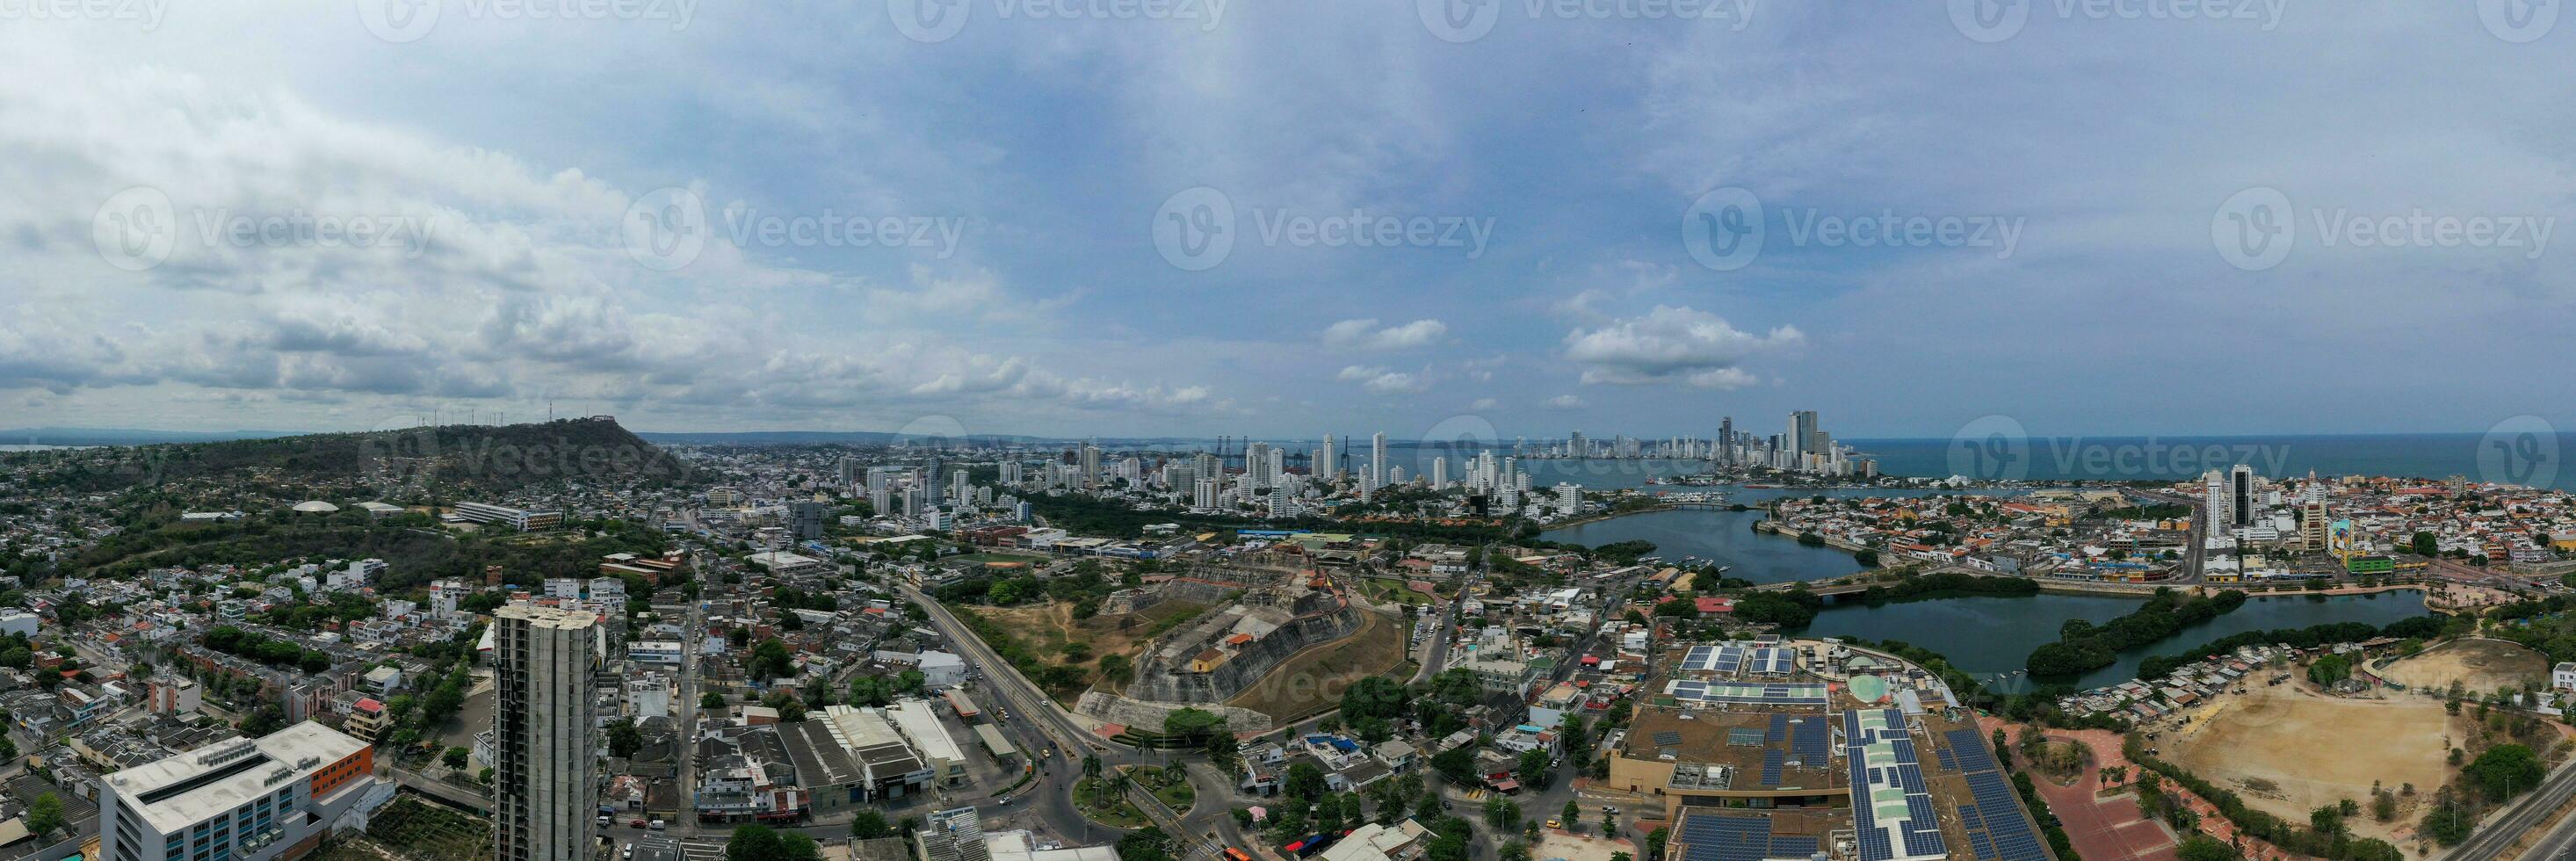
[(1202, 217)]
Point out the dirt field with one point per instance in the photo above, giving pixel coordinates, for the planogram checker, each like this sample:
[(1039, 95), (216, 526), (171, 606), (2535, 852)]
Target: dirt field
[(1049, 630), (2480, 665), (2289, 751), (1317, 676)]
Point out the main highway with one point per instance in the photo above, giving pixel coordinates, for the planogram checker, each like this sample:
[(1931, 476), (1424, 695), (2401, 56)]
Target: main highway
[(2518, 820)]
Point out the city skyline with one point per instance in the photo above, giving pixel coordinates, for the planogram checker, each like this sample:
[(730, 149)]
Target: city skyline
[(2068, 256)]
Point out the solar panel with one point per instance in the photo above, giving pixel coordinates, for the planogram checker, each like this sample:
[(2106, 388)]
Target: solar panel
[(1667, 739), (1779, 729), (1923, 843), (1771, 762), (1969, 751)]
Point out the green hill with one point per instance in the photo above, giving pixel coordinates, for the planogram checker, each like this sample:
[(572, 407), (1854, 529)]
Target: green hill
[(417, 463)]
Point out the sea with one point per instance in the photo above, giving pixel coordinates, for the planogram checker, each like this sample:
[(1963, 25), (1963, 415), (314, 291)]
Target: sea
[(2510, 455)]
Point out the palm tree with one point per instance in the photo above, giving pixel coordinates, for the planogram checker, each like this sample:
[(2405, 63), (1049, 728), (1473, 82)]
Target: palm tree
[(1091, 766)]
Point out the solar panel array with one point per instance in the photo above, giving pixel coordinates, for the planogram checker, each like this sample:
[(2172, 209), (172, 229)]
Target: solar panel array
[(1774, 661), (1969, 752), (1891, 809), (1722, 692), (1714, 837), (1997, 830), (1771, 761), (1667, 738), (1726, 658)]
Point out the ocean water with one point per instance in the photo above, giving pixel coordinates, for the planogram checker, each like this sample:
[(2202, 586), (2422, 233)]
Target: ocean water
[(2512, 454)]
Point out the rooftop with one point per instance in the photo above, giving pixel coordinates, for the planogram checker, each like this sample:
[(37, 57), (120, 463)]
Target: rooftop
[(183, 790)]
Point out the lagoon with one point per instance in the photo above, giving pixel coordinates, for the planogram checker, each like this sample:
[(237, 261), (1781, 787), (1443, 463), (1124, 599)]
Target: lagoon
[(1992, 636)]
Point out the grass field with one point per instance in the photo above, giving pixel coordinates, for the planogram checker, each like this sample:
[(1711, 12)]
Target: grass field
[(1392, 592), (1317, 676), (1052, 632), (1099, 806), (2289, 751), (2479, 665)]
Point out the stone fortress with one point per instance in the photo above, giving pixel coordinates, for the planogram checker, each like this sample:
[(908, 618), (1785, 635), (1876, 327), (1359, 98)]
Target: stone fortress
[(1275, 612)]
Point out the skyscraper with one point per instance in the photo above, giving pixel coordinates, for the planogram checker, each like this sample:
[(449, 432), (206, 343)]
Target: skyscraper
[(1802, 430), (2240, 487), (805, 519), (1377, 459), (1090, 465), (1328, 466), (542, 788)]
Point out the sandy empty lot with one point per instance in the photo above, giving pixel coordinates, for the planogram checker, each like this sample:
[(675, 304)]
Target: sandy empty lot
[(2288, 751), (2481, 665), (1316, 677)]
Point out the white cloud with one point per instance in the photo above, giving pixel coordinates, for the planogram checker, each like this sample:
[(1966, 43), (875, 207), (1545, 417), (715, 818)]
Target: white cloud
[(1381, 381), (1563, 402), (1365, 334), (1672, 343)]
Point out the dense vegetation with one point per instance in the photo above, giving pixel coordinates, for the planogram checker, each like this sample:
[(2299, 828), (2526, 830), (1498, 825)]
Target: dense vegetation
[(2083, 646), (1948, 584), (430, 462), (2420, 627)]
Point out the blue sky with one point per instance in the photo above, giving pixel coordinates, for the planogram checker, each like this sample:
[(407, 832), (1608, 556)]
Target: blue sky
[(2295, 217)]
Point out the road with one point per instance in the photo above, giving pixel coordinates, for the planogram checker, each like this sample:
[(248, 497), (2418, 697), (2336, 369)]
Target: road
[(2505, 828), (1026, 702), (692, 634)]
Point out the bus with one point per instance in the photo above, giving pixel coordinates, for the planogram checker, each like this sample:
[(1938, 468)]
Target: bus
[(1233, 854)]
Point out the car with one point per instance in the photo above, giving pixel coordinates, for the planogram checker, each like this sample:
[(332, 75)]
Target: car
[(635, 823), (1609, 808), (627, 852), (1555, 824)]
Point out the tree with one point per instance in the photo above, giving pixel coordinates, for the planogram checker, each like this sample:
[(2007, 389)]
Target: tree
[(45, 816), (1501, 813), (1305, 782), (624, 739), (1146, 844), (2329, 670), (2504, 770), (456, 758), (711, 700), (1533, 769), (870, 824), (1458, 764), (2202, 847), (1573, 816)]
